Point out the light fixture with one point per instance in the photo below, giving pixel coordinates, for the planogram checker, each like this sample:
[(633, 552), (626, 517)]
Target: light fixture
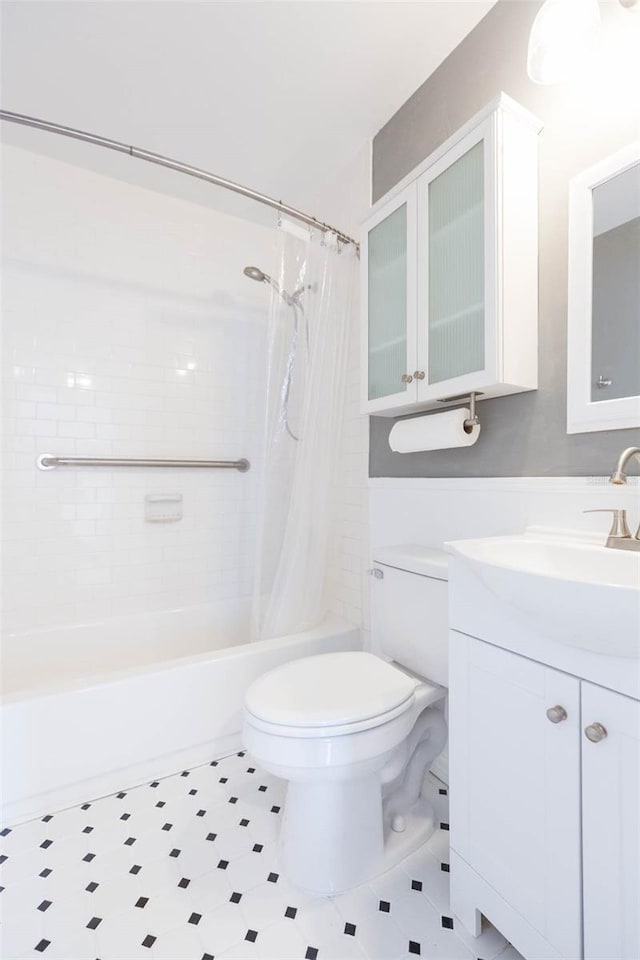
[(563, 37)]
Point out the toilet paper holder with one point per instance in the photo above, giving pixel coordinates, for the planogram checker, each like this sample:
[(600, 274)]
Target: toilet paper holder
[(473, 419)]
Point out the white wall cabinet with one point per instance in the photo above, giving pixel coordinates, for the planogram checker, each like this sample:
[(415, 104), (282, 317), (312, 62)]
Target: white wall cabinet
[(390, 293), (449, 270), (545, 821)]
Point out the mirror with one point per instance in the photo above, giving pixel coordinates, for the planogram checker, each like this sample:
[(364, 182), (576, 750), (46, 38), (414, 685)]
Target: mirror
[(604, 296), (615, 288)]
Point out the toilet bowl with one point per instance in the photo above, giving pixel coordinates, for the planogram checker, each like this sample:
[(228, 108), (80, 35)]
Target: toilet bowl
[(353, 736), (355, 733)]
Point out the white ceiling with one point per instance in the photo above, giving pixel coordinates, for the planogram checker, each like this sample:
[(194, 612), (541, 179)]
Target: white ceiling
[(277, 95)]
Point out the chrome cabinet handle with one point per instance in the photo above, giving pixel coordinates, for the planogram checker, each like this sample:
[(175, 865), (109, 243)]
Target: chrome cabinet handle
[(418, 374), (556, 714), (376, 573), (406, 378), (595, 732)]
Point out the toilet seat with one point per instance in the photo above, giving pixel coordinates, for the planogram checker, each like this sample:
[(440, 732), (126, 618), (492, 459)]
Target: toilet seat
[(333, 694)]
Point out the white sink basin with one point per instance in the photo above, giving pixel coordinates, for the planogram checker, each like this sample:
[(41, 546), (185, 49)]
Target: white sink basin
[(575, 592)]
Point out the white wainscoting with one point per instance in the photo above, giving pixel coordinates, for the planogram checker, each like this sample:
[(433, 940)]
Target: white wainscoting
[(432, 511)]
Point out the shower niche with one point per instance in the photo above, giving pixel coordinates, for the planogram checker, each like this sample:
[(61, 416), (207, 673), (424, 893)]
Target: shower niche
[(450, 270)]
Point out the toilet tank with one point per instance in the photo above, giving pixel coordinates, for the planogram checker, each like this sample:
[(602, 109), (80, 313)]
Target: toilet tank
[(409, 609)]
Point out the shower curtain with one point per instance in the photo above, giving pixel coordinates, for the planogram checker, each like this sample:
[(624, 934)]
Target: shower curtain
[(310, 315)]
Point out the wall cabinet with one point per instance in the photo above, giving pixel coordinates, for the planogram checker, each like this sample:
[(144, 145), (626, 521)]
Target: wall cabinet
[(449, 270), (545, 805)]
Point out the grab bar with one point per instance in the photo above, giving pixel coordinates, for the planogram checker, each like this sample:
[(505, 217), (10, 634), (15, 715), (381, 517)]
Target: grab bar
[(48, 461)]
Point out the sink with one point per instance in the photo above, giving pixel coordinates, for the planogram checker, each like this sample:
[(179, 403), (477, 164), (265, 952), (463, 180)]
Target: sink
[(569, 589)]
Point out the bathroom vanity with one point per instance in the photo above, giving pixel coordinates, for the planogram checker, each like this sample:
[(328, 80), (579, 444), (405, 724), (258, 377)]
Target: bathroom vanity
[(545, 744)]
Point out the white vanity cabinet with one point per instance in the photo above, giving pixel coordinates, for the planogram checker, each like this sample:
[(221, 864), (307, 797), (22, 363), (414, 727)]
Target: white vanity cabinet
[(545, 805), (449, 270), (515, 795), (611, 825)]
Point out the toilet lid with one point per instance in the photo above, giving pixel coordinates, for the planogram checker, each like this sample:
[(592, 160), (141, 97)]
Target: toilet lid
[(329, 690)]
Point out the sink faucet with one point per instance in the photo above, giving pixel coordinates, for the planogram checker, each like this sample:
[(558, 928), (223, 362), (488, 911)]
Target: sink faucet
[(619, 476), (619, 535)]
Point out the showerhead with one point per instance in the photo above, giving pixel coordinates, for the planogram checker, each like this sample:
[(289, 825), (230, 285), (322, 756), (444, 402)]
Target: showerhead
[(293, 300), (255, 273)]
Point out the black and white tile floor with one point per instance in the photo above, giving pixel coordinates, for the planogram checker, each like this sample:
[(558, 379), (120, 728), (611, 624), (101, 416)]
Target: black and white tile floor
[(186, 868)]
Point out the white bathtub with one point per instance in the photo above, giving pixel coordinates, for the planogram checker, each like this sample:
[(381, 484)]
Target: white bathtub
[(92, 709)]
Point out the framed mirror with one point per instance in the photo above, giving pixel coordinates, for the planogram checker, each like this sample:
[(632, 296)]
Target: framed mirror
[(603, 361)]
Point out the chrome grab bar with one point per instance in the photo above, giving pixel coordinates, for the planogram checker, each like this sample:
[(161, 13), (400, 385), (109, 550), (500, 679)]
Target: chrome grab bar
[(48, 461)]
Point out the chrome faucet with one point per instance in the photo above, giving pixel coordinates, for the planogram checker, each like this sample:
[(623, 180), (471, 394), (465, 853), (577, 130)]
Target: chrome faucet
[(619, 476), (619, 537)]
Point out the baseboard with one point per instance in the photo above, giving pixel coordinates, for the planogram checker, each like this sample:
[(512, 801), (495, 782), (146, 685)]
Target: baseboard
[(124, 778)]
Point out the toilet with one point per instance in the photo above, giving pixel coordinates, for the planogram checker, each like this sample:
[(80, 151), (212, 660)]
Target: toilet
[(354, 733)]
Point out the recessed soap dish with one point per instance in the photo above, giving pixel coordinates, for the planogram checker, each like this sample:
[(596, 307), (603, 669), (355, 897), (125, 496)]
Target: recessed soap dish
[(163, 507)]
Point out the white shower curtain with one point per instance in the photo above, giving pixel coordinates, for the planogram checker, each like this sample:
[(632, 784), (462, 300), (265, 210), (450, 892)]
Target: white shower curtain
[(308, 342)]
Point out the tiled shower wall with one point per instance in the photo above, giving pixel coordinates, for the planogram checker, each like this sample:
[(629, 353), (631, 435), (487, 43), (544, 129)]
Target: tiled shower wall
[(346, 202), (129, 330)]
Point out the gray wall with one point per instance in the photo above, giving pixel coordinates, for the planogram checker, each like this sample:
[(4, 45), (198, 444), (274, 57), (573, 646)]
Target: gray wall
[(523, 435)]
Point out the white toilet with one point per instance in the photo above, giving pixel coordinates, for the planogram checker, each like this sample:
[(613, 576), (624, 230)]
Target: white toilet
[(354, 734)]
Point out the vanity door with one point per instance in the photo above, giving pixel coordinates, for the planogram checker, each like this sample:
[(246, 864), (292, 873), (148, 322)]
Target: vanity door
[(611, 824), (514, 732)]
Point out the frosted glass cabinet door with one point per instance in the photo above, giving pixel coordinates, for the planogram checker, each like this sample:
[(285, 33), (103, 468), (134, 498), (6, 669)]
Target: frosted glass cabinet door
[(456, 269), (455, 312), (390, 303)]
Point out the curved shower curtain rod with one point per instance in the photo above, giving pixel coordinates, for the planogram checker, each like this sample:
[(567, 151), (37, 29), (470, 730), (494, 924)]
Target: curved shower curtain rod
[(177, 165)]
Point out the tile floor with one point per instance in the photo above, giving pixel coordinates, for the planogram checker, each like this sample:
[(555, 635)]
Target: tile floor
[(186, 868)]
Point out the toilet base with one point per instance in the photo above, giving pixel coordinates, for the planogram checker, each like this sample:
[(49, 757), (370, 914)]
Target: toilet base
[(331, 834), (420, 824), (345, 817)]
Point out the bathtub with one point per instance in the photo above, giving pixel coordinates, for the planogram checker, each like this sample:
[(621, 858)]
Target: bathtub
[(92, 709)]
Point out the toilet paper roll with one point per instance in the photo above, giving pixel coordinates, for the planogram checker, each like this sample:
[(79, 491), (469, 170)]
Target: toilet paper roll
[(436, 431)]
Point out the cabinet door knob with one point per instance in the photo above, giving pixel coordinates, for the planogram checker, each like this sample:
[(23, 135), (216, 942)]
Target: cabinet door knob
[(418, 374), (406, 378), (595, 732), (556, 714)]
